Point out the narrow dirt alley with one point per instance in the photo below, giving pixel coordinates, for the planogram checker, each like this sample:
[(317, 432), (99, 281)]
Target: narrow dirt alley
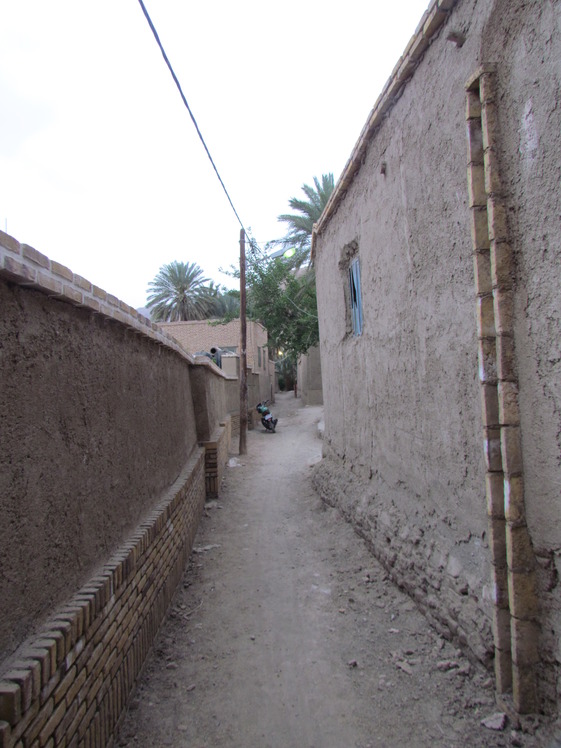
[(286, 632)]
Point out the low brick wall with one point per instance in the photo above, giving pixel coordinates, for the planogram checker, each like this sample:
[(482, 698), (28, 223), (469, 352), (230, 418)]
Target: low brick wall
[(69, 684), (216, 457)]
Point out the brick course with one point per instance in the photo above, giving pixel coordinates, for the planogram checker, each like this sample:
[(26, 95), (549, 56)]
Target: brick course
[(216, 457), (24, 265), (70, 683), (514, 617)]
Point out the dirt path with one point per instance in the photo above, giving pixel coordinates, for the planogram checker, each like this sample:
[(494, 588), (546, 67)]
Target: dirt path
[(286, 632)]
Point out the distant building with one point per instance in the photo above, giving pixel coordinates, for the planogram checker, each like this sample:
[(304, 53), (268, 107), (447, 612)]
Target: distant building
[(199, 336)]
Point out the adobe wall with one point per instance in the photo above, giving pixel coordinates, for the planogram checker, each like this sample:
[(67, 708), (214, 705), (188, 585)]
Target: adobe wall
[(70, 683), (403, 446), (200, 335), (102, 484), (214, 423), (530, 129), (266, 380), (309, 377), (208, 383)]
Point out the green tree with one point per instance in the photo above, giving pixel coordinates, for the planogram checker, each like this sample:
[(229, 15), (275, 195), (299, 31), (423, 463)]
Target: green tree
[(281, 290), (300, 224), (282, 296), (178, 293), (286, 370), (224, 302)]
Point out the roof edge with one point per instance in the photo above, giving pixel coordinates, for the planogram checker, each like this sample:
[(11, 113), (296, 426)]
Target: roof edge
[(430, 24)]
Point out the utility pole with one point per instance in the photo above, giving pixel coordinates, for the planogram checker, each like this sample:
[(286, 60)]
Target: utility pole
[(243, 354)]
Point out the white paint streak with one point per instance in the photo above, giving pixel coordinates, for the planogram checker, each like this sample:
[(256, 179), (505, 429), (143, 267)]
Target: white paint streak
[(481, 372), (529, 137), (403, 192)]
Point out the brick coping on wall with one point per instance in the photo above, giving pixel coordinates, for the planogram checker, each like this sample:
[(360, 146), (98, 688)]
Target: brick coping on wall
[(427, 29), (25, 266), (69, 684)]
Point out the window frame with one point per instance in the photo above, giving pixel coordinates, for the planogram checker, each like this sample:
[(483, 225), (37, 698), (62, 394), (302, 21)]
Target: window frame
[(355, 297)]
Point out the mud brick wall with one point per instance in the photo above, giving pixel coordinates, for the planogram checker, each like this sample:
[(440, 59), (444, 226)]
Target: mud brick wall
[(201, 335), (69, 684), (309, 377), (97, 421), (235, 427), (232, 394), (216, 457), (443, 416), (415, 556), (254, 393), (99, 459), (208, 384), (212, 395)]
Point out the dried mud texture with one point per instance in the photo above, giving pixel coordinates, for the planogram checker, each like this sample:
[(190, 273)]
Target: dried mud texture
[(287, 633), (83, 405)]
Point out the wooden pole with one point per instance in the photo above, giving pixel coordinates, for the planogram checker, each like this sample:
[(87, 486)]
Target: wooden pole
[(243, 353)]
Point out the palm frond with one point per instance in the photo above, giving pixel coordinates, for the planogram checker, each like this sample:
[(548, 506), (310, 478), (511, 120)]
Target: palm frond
[(300, 224), (178, 292)]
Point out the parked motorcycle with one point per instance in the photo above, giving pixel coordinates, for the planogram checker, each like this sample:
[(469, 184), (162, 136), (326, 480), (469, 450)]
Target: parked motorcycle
[(267, 419)]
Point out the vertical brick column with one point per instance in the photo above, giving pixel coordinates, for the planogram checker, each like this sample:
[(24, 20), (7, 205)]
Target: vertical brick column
[(487, 356), (515, 624)]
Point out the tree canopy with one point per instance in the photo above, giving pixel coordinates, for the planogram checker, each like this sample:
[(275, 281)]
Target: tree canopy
[(300, 224), (178, 293), (224, 302), (281, 290), (282, 296), (281, 287)]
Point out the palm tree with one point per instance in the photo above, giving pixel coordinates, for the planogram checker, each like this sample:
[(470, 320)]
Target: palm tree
[(224, 302), (300, 225), (178, 293)]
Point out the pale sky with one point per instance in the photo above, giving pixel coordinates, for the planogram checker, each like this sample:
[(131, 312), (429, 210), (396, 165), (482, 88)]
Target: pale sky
[(101, 168)]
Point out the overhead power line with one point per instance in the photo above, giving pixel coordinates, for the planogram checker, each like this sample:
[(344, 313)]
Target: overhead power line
[(173, 75)]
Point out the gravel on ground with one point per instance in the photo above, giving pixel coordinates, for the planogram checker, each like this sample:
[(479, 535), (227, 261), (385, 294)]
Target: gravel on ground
[(287, 633)]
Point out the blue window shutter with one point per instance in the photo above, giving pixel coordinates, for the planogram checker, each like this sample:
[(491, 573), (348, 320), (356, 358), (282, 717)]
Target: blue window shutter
[(355, 297)]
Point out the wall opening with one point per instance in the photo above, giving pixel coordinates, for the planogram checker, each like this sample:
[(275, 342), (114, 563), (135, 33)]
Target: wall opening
[(349, 266), (355, 297)]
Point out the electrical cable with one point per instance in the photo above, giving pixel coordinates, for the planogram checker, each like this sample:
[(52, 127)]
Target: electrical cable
[(173, 75)]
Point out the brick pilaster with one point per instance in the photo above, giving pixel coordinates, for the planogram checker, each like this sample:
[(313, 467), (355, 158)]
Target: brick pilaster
[(515, 625)]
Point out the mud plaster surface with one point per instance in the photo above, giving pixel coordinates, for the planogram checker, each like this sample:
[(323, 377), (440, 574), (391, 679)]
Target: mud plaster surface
[(414, 369), (82, 405), (286, 632)]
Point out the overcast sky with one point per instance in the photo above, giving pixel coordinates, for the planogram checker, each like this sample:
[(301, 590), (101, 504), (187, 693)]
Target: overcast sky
[(100, 165)]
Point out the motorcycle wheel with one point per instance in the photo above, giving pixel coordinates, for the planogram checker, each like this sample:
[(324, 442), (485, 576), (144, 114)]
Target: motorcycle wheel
[(268, 425)]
